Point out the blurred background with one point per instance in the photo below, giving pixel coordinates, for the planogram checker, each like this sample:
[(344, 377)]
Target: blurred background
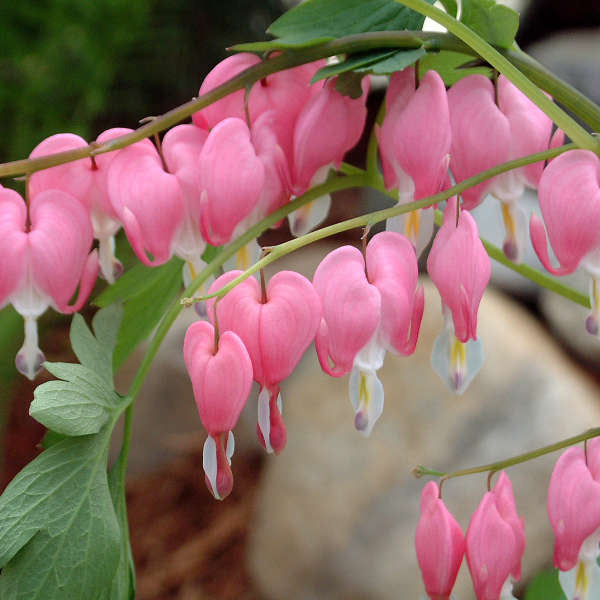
[(334, 516)]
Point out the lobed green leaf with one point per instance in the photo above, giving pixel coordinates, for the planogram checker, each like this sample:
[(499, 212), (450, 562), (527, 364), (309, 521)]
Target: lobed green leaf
[(495, 23)]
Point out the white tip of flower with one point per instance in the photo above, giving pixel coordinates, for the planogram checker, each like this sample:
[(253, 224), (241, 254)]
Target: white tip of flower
[(417, 226), (210, 465), (366, 395), (110, 267), (309, 216), (244, 258), (456, 363), (30, 358), (264, 418), (582, 582), (230, 447), (591, 323)]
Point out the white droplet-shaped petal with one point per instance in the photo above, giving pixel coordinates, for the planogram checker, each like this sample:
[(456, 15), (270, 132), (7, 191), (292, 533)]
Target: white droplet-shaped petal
[(416, 226), (210, 464), (244, 258), (279, 403), (592, 323), (230, 447), (371, 356), (517, 231), (110, 266), (456, 362), (506, 593), (264, 417), (30, 358), (366, 395), (582, 582), (309, 216)]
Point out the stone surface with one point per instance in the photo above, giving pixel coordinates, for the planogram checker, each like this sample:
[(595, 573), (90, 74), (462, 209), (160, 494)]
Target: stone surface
[(337, 513)]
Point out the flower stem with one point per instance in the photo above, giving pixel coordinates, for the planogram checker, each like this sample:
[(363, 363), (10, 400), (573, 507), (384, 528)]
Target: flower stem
[(420, 470), (575, 131), (381, 215)]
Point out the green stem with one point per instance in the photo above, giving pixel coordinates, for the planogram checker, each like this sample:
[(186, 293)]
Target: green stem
[(332, 185), (539, 277), (431, 41), (281, 250), (577, 133), (420, 470)]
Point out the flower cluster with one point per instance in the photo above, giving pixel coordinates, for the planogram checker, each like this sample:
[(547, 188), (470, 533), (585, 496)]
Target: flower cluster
[(495, 540)]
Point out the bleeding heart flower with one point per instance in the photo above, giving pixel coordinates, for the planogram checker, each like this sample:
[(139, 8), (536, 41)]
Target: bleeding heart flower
[(495, 543), (460, 268), (226, 201), (369, 307), (276, 326), (221, 374), (440, 544), (43, 262), (569, 194), (415, 155), (574, 511)]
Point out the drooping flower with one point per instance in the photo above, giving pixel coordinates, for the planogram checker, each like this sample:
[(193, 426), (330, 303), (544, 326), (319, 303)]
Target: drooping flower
[(460, 268), (85, 180), (569, 194), (276, 325), (440, 544), (414, 143), (221, 374), (329, 125), (495, 543), (574, 511), (227, 200), (369, 307), (514, 127), (44, 259)]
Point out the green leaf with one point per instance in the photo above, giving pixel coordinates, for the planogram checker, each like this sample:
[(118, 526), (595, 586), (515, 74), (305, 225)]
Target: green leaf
[(96, 352), (495, 23), (146, 294), (545, 586), (450, 6), (59, 533), (448, 64), (396, 62), (52, 437), (80, 404), (317, 21), (350, 84), (354, 62)]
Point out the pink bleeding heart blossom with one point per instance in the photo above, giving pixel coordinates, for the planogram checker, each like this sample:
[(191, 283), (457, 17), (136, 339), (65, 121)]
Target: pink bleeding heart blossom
[(369, 307), (329, 125), (569, 194), (574, 511), (514, 127), (415, 155), (227, 200), (440, 544), (276, 326), (181, 149), (85, 180), (460, 268), (221, 374), (495, 543), (149, 202), (44, 259)]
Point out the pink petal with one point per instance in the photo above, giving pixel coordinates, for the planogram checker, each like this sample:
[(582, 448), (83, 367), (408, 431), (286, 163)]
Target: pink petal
[(573, 506), (148, 201), (351, 309), (481, 137), (392, 269), (440, 544), (228, 200), (221, 377), (59, 240)]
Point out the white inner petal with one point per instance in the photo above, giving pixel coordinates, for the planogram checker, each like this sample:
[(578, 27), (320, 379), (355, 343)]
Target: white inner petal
[(264, 418), (210, 464)]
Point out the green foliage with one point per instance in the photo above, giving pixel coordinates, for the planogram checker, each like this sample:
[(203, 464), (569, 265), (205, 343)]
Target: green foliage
[(450, 6), (545, 586), (377, 62), (62, 525), (146, 293), (449, 65), (495, 23), (317, 21)]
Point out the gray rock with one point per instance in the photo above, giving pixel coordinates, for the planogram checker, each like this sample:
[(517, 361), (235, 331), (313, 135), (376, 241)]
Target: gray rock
[(337, 513)]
